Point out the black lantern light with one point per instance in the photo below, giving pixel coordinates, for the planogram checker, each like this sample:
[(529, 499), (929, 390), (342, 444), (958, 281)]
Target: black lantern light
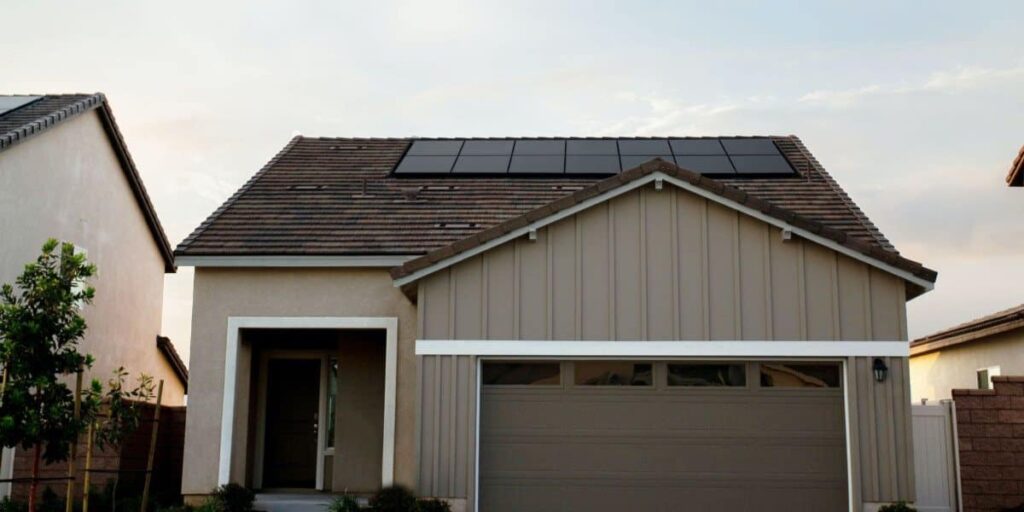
[(880, 369)]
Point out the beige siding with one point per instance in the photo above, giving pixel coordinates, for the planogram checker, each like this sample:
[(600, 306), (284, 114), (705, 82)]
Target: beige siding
[(662, 265)]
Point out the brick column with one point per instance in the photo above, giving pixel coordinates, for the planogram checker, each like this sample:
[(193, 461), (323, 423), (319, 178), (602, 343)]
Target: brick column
[(990, 425)]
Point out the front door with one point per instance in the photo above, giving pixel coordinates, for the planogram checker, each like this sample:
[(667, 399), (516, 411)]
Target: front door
[(290, 445)]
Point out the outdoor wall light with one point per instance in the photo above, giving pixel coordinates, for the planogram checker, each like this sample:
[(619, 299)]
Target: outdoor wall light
[(880, 369)]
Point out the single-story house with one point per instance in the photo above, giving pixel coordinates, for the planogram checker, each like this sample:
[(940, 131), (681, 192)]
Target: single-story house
[(552, 324), (66, 173), (968, 355)]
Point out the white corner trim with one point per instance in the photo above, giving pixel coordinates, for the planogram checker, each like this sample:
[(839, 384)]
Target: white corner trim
[(6, 471), (235, 324), (523, 348), (291, 261), (639, 182)]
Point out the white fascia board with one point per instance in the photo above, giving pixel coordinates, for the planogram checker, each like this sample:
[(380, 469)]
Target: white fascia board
[(730, 349), (711, 196), (292, 261)]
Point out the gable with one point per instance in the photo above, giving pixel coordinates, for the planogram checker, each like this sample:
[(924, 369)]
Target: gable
[(663, 264)]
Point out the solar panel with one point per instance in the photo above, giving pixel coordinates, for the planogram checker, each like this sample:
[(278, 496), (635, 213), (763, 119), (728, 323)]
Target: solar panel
[(592, 164), (697, 147), (8, 103), (706, 164), (435, 147), (762, 164), (539, 147), (537, 164), (750, 147), (631, 161), (591, 147), (644, 147), (431, 164), (487, 147), (493, 164)]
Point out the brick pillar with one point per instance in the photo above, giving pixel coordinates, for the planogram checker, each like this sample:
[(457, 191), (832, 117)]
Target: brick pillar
[(990, 425)]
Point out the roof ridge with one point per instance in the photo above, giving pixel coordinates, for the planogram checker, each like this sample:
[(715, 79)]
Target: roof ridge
[(45, 121), (238, 193), (547, 137)]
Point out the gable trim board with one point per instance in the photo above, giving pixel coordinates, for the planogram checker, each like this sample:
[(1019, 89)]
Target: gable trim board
[(237, 323), (635, 349), (101, 105), (658, 172)]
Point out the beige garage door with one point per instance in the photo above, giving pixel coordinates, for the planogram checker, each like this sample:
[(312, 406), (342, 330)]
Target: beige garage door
[(662, 436)]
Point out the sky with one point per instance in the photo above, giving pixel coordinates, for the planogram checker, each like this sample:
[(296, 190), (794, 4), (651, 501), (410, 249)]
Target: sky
[(916, 108)]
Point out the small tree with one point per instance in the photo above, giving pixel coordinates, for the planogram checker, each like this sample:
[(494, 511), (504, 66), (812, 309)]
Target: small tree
[(123, 414), (40, 328)]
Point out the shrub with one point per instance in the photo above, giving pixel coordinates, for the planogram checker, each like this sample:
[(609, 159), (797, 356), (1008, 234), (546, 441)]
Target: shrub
[(232, 498), (343, 504), (9, 505), (898, 507), (393, 499), (434, 505)]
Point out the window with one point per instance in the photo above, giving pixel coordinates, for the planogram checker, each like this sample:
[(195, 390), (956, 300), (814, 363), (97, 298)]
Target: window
[(985, 377), (614, 373), (521, 374), (799, 375), (707, 375)]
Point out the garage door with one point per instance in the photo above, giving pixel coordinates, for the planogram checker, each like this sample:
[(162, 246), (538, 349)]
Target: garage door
[(662, 436)]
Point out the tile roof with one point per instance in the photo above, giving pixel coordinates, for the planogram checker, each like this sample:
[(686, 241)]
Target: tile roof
[(337, 196), (1015, 178), (716, 187), (166, 347), (24, 123), (977, 329)]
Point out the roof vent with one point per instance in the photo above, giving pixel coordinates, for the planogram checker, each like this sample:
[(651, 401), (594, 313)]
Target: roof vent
[(571, 188), (444, 188), (456, 225), (307, 187)]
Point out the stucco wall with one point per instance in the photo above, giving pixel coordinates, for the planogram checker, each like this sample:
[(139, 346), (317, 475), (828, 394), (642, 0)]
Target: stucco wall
[(935, 374), (67, 183), (223, 293)]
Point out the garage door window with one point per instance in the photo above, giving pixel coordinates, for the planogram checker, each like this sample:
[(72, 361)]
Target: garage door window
[(521, 374), (799, 375), (707, 375), (614, 373)]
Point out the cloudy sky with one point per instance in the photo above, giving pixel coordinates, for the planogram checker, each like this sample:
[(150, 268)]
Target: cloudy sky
[(916, 108)]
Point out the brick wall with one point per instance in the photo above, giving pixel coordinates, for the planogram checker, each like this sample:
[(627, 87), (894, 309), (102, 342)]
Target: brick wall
[(990, 427)]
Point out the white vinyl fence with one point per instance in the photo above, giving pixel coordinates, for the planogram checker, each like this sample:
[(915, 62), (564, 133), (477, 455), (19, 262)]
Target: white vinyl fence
[(936, 461)]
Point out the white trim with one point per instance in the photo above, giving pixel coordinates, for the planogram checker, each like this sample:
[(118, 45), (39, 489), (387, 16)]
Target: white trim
[(663, 348), (639, 182), (847, 427), (235, 324), (291, 261), (6, 471)]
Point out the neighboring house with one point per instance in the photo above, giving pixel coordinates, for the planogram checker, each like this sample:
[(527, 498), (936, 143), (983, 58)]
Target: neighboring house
[(968, 355), (65, 173), (547, 324), (1015, 178)]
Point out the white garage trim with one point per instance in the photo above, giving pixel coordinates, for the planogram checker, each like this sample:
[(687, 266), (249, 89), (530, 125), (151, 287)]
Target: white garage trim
[(236, 324), (560, 348)]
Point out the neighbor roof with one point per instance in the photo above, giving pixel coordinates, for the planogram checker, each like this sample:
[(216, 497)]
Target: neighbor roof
[(25, 122), (975, 330), (339, 197), (1016, 176)]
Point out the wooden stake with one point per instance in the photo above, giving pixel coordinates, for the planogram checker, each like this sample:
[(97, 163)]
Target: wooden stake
[(69, 498), (88, 466), (152, 445), (3, 384)]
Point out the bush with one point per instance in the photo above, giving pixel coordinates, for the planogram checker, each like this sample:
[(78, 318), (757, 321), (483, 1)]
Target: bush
[(9, 505), (897, 507), (232, 498), (434, 505), (343, 504), (393, 499)]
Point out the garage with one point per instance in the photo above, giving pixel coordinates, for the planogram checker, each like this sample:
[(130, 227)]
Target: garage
[(603, 435)]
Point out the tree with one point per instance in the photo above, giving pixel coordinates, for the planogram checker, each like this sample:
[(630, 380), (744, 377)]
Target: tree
[(123, 414), (40, 329)]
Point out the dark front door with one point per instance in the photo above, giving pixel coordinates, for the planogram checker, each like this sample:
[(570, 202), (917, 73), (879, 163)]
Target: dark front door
[(290, 446)]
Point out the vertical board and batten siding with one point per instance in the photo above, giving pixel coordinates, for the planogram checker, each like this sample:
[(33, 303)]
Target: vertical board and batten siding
[(661, 265)]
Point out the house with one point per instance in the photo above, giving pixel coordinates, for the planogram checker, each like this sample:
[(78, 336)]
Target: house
[(1015, 178), (65, 172), (556, 324), (968, 355)]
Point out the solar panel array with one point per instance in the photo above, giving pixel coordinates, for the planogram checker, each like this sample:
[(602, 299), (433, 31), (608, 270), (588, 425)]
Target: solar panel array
[(8, 103), (723, 157)]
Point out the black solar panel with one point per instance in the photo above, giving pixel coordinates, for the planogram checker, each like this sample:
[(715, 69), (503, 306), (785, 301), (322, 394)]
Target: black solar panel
[(724, 157)]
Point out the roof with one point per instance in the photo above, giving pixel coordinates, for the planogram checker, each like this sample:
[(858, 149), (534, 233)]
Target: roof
[(975, 330), (24, 123), (170, 354), (726, 194), (338, 197), (1015, 178)]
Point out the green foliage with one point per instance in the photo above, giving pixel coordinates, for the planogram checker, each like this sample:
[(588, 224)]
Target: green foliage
[(123, 409), (211, 505), (434, 505), (233, 498), (8, 505), (344, 503), (897, 507), (394, 499), (40, 328)]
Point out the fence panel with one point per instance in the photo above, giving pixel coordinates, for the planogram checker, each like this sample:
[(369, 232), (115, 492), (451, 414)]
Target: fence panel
[(935, 457)]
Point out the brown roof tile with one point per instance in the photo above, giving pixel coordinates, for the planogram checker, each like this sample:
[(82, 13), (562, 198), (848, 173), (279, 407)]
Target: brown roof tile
[(1015, 178)]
